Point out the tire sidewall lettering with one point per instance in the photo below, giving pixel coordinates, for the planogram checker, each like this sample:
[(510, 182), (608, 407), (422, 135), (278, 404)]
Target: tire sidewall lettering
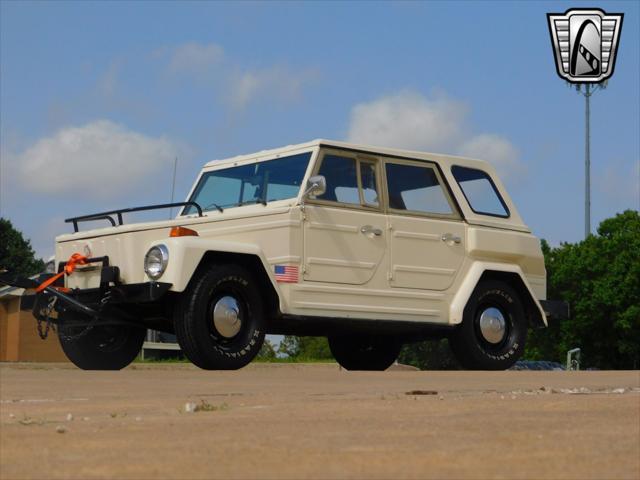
[(469, 345), (208, 349)]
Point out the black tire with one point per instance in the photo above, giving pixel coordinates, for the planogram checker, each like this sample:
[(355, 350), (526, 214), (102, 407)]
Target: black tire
[(201, 341), (472, 348), (365, 352), (110, 347)]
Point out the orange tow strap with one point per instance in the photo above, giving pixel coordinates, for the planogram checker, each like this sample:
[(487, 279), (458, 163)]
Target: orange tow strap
[(74, 260)]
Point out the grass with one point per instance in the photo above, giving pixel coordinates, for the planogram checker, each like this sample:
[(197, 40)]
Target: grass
[(294, 360)]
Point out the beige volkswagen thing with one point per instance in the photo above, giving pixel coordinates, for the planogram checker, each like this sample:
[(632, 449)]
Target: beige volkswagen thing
[(370, 247)]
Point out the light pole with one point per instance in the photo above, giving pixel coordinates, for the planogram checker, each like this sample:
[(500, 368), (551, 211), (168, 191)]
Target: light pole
[(588, 89)]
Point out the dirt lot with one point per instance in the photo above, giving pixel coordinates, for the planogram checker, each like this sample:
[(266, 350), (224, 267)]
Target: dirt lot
[(316, 421)]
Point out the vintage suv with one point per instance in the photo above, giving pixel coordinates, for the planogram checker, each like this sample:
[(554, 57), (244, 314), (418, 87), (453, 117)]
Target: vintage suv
[(371, 247)]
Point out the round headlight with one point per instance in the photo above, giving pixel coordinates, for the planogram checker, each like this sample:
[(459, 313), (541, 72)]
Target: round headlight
[(155, 261)]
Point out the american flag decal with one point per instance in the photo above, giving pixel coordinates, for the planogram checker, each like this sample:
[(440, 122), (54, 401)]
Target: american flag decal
[(286, 273)]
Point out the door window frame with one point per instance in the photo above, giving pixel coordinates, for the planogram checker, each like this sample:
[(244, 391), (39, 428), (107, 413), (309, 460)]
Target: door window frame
[(358, 158), (455, 211)]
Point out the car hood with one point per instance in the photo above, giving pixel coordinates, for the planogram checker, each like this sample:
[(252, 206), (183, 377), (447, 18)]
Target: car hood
[(191, 221)]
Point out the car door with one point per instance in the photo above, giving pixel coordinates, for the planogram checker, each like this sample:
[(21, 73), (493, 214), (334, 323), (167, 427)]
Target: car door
[(344, 228), (427, 234)]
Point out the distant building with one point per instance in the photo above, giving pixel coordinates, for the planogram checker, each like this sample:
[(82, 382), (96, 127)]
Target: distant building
[(19, 340)]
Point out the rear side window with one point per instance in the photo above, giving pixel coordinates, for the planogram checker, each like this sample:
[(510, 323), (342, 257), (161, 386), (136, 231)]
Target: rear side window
[(480, 191), (416, 189)]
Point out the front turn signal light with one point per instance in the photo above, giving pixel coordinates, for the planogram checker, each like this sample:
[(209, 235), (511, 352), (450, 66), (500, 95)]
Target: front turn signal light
[(182, 232)]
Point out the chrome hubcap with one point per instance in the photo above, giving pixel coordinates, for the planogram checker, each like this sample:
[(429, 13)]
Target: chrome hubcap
[(492, 325), (226, 317)]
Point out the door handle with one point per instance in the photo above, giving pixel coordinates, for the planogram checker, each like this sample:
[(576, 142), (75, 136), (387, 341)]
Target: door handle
[(371, 229), (449, 237)]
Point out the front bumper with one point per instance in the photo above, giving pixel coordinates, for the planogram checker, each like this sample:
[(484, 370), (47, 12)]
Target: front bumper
[(134, 293), (112, 302), (110, 305)]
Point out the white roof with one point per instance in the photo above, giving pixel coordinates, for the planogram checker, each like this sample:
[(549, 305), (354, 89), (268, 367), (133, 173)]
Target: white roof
[(396, 152), (445, 161)]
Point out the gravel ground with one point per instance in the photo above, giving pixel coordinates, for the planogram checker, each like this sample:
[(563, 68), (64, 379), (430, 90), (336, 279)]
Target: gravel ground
[(316, 421)]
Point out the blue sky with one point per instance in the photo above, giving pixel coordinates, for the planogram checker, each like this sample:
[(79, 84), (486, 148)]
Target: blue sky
[(96, 99)]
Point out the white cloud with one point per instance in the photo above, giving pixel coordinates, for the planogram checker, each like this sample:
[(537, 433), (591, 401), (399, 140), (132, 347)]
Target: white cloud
[(280, 83), (497, 150), (409, 120), (100, 159), (108, 82), (238, 86), (195, 58)]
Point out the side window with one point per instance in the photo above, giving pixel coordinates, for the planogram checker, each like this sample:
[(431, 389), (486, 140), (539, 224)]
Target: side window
[(342, 179), (416, 188), (344, 175), (480, 192)]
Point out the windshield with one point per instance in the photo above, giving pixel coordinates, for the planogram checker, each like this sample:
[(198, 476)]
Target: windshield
[(262, 182)]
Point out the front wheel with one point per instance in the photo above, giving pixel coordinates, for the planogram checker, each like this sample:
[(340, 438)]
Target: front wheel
[(220, 321), (108, 347), (364, 352), (493, 331)]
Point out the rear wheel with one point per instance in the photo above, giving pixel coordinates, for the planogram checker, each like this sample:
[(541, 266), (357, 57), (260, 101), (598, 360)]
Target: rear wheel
[(220, 322), (108, 347), (364, 352), (493, 331)]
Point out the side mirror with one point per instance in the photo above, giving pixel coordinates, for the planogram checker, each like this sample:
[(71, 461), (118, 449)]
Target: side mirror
[(316, 185)]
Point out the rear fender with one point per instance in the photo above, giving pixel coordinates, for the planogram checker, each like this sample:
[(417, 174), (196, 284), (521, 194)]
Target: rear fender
[(480, 270)]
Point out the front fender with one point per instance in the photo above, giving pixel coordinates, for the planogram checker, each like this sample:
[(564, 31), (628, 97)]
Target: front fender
[(460, 299), (185, 254)]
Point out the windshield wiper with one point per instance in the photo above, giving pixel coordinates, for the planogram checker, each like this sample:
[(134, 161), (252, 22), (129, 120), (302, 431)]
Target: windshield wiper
[(217, 207)]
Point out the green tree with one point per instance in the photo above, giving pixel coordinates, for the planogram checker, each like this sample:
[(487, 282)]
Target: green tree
[(16, 254), (305, 348), (267, 351), (600, 278), (429, 355)]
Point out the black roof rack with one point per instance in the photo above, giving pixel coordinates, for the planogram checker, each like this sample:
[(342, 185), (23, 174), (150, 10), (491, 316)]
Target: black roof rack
[(118, 213)]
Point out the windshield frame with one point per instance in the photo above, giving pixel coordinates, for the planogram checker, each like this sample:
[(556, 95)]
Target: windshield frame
[(249, 160)]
